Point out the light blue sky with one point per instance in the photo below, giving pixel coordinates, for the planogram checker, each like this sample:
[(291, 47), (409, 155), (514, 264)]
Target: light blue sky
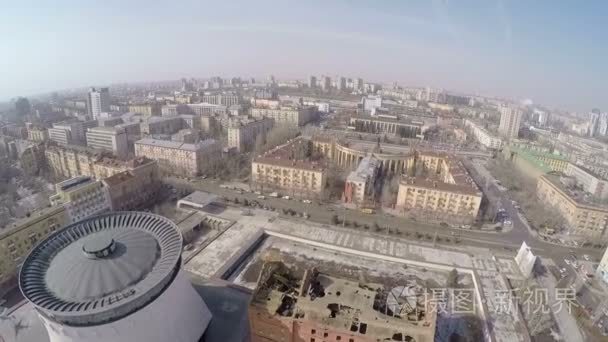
[(550, 52)]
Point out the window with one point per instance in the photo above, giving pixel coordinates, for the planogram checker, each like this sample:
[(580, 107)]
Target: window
[(313, 331), (338, 338)]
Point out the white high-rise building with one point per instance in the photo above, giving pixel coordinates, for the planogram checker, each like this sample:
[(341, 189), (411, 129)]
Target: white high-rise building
[(594, 118), (510, 119), (98, 101)]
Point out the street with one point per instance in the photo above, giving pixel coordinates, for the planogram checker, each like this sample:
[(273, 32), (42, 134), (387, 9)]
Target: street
[(399, 226)]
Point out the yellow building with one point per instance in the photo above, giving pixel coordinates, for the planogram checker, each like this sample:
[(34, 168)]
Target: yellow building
[(38, 134), (82, 197), (292, 116), (278, 170), (135, 188), (582, 216), (179, 158), (146, 109), (18, 239), (73, 161), (445, 193)]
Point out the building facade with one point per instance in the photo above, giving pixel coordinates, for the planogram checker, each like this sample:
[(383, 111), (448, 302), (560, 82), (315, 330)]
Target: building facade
[(291, 116), (146, 109), (589, 180), (135, 188), (242, 134), (583, 218), (38, 134), (17, 240), (179, 158), (82, 197), (445, 193), (98, 101), (275, 171), (401, 128), (360, 185), (483, 136), (110, 139), (510, 120)]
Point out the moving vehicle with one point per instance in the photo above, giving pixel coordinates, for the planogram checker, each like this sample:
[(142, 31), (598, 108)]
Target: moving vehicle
[(367, 210)]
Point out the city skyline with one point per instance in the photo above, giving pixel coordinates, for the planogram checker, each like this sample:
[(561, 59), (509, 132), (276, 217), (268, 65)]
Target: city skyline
[(512, 49)]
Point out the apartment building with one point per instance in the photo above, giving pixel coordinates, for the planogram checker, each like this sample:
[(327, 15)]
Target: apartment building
[(68, 133), (72, 161), (134, 188), (278, 170), (443, 192), (292, 116), (590, 181), (584, 216), (38, 134), (17, 240), (179, 158), (82, 196), (510, 120), (146, 109), (98, 101), (482, 135), (242, 134), (225, 99), (360, 184), (111, 139)]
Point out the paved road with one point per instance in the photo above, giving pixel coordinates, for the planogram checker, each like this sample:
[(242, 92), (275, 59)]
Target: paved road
[(323, 213)]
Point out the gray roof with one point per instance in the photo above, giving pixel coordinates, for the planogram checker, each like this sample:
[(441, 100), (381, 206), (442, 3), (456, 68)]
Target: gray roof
[(102, 268)]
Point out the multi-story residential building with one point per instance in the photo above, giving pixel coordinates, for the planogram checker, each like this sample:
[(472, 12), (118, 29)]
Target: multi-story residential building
[(325, 82), (294, 304), (510, 120), (279, 170), (110, 139), (38, 134), (72, 161), (483, 136), (291, 116), (401, 128), (588, 180), (208, 109), (446, 192), (583, 216), (82, 196), (594, 120), (226, 99), (179, 158), (242, 134), (17, 240), (146, 109), (360, 186), (134, 188), (312, 82), (341, 83), (98, 101)]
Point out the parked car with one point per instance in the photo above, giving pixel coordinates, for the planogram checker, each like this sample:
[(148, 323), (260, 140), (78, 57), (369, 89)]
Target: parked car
[(307, 201), (286, 197)]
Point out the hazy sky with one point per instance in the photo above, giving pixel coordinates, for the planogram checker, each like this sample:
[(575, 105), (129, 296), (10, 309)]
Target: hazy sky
[(553, 52)]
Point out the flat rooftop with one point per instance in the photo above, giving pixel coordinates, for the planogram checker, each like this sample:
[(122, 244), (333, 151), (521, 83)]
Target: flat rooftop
[(576, 194), (285, 155)]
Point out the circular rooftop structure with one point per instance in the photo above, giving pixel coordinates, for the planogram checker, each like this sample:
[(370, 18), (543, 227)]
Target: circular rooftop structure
[(103, 268)]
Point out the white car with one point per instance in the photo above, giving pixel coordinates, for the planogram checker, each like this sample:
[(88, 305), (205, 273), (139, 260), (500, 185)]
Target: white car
[(567, 261), (586, 257), (307, 201), (508, 223), (286, 197)]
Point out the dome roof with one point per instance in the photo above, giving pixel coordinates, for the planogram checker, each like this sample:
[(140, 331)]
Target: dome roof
[(102, 268)]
